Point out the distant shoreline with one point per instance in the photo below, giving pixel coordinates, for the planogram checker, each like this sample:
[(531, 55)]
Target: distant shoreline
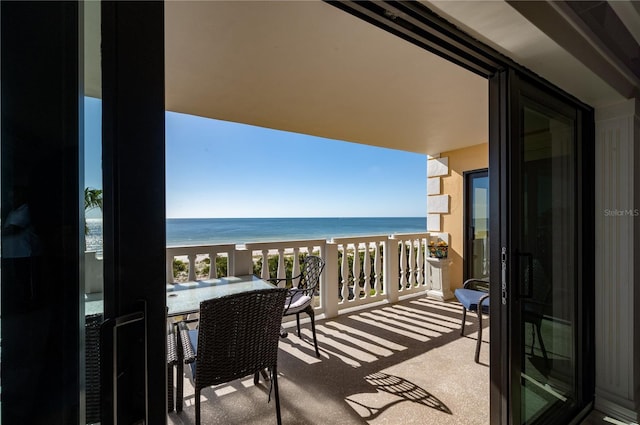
[(239, 231)]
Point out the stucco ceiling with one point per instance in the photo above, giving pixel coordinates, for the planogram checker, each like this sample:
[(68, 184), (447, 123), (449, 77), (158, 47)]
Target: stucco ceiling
[(308, 67)]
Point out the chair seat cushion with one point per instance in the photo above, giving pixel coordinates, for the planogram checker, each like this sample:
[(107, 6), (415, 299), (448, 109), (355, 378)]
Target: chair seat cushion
[(299, 303), (469, 299)]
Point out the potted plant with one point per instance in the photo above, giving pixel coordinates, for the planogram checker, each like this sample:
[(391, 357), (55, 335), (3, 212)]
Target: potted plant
[(438, 249)]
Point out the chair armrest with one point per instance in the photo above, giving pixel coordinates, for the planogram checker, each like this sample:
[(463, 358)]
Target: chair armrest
[(172, 350), (277, 280), (292, 291), (184, 343)]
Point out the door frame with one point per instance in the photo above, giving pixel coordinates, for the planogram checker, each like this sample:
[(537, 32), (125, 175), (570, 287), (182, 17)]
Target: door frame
[(134, 30), (133, 155), (415, 23), (41, 153)]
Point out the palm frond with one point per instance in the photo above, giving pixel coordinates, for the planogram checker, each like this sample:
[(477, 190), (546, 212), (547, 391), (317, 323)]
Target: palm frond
[(92, 198)]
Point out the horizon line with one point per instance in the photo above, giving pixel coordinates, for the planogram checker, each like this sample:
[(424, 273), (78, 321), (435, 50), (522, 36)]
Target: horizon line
[(288, 217)]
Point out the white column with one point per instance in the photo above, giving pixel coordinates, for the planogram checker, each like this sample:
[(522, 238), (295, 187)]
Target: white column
[(240, 263), (437, 202), (391, 269), (617, 259), (329, 291)]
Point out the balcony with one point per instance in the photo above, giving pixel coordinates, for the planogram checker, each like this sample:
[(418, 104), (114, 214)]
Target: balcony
[(389, 352), (402, 362), (389, 340)]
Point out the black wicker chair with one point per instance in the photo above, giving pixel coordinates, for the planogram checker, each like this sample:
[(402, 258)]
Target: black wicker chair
[(172, 361), (92, 356), (93, 398), (237, 336), (300, 297)]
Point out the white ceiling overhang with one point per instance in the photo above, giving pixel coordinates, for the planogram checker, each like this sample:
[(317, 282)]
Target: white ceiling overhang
[(308, 67)]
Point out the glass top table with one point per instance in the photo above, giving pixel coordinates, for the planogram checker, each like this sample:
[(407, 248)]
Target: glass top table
[(185, 298)]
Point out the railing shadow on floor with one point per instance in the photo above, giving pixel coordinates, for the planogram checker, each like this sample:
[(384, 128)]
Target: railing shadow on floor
[(403, 389)]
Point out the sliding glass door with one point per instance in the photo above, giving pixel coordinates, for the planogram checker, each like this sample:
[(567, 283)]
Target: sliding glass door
[(546, 291)]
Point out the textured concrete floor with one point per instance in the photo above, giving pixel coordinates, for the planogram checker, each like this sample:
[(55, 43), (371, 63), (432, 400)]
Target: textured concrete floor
[(404, 363)]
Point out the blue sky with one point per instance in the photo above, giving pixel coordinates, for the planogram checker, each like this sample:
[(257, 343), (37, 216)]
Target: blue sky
[(221, 169)]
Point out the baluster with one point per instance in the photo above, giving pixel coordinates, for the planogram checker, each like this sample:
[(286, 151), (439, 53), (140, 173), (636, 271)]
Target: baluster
[(345, 274), (367, 270), (282, 270), (192, 266), (213, 272), (427, 266), (169, 265), (419, 271), (356, 270), (296, 267), (377, 269), (412, 265), (403, 265), (231, 262), (264, 274)]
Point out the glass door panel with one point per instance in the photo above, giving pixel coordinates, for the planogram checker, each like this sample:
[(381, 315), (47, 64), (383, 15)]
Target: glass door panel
[(546, 261), (91, 185), (477, 224)]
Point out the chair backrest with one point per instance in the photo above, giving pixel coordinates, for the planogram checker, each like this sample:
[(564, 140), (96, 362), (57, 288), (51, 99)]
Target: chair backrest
[(478, 284), (310, 274), (238, 335)]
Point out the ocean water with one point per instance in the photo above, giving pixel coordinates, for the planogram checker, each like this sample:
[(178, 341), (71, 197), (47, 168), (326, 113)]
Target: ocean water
[(204, 231)]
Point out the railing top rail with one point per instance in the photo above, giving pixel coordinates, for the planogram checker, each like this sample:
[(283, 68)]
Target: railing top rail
[(254, 246), (200, 249), (354, 239), (405, 236)]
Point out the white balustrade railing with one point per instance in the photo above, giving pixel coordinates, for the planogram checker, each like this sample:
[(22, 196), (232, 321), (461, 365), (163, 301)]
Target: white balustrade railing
[(288, 252), (359, 270), (414, 273), (284, 250), (208, 251)]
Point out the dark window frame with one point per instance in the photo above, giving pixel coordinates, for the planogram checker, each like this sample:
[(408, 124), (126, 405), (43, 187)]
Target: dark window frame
[(467, 177)]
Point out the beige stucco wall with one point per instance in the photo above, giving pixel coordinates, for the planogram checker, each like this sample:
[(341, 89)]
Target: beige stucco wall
[(460, 160)]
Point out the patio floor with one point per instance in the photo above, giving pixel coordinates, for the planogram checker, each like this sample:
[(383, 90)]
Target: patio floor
[(397, 363)]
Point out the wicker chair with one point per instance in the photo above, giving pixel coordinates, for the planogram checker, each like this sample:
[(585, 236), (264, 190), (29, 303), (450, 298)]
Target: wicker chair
[(172, 361), (92, 355), (300, 297), (93, 323), (237, 336)]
